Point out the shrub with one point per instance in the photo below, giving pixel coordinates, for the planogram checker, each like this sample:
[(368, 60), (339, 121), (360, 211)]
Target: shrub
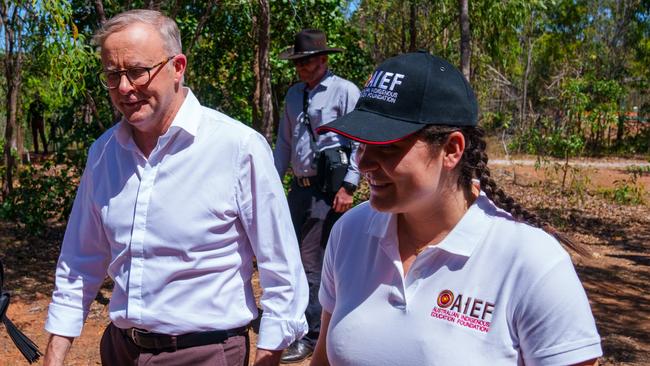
[(626, 192), (43, 193)]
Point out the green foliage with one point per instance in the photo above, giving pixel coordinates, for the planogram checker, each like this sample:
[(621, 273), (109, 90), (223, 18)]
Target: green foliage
[(626, 192), (639, 170), (589, 65), (493, 121), (548, 141), (44, 193)]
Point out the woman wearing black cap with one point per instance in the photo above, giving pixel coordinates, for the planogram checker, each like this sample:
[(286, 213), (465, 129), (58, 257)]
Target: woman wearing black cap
[(441, 266)]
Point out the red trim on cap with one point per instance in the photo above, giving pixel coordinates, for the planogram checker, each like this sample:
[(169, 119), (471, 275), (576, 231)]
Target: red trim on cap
[(325, 128)]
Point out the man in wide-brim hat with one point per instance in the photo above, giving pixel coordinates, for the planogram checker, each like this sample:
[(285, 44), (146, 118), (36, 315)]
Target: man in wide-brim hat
[(319, 98)]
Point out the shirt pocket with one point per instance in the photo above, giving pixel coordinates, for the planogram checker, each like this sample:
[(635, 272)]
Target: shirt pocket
[(325, 116)]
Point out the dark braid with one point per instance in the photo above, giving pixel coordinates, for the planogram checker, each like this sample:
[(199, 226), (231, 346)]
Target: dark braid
[(473, 165)]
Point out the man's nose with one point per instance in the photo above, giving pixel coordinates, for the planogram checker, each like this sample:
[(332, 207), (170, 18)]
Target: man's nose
[(125, 86)]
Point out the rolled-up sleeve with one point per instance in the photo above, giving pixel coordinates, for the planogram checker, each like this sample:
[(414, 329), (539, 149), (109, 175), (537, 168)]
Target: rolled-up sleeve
[(82, 264), (266, 219)]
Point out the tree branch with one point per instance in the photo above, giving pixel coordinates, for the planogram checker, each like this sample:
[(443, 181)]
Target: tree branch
[(99, 8), (199, 27)]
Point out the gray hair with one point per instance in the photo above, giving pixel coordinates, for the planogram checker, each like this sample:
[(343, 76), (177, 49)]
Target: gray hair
[(166, 27)]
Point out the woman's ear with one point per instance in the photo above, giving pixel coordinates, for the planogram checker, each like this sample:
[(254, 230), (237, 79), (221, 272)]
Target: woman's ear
[(453, 150)]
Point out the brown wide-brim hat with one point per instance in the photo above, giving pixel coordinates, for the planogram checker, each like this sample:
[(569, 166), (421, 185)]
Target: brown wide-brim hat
[(309, 42)]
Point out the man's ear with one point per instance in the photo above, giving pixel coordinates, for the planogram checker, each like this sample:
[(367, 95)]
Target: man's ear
[(453, 150), (180, 63)]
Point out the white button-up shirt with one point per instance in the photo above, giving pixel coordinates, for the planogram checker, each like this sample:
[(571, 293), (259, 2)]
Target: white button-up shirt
[(177, 233)]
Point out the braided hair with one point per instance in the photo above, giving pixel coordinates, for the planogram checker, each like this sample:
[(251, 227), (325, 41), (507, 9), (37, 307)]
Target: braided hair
[(473, 165)]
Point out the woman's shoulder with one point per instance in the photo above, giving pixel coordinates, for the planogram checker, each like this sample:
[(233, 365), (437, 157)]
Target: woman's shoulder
[(530, 236), (529, 249), (517, 241)]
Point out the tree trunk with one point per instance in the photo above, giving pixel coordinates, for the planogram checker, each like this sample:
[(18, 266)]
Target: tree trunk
[(12, 26), (402, 32), (445, 31), (620, 128), (199, 27), (412, 27), (174, 8), (10, 139), (101, 15), (257, 92), (263, 104), (101, 19), (465, 45), (524, 96)]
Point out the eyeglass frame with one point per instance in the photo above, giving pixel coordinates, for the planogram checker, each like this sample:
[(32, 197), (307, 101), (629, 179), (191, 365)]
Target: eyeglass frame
[(124, 72)]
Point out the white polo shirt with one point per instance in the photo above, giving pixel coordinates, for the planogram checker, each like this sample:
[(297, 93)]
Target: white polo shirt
[(493, 292)]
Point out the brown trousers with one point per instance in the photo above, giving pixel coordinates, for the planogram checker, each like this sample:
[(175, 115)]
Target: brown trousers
[(116, 349)]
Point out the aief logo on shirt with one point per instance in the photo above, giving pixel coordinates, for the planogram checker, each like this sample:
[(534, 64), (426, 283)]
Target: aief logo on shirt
[(382, 85), (463, 311)]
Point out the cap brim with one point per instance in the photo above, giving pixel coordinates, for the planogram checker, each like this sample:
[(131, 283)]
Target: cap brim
[(371, 128), (288, 54)]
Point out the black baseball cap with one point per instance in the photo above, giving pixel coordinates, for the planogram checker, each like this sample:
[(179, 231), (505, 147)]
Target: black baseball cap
[(403, 95)]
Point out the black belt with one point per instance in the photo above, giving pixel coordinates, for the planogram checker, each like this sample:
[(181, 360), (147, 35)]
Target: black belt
[(306, 181), (157, 341)]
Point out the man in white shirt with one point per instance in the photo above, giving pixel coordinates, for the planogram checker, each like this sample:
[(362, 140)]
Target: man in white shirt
[(173, 204)]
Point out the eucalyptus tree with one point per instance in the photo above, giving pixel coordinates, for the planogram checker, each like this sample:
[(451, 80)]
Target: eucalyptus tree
[(14, 17), (37, 38)]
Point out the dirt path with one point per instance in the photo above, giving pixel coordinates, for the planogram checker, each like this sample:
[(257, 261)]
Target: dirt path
[(616, 277), (579, 163)]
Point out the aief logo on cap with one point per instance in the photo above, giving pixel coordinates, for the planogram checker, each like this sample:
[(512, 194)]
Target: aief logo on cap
[(403, 95)]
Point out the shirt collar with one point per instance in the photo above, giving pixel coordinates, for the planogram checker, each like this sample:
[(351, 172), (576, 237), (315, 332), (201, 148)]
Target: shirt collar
[(470, 230), (185, 120), (324, 82), (463, 238), (187, 116)]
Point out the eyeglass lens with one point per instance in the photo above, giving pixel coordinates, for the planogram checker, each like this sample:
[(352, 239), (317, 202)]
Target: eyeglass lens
[(136, 75)]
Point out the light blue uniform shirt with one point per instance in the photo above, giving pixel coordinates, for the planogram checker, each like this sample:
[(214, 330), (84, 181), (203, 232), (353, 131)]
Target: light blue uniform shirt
[(332, 98)]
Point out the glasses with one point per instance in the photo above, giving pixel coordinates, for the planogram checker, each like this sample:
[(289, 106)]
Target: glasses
[(137, 76)]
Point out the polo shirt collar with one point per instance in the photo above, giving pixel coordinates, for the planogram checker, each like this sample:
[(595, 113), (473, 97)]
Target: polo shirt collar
[(185, 120), (470, 230), (463, 238)]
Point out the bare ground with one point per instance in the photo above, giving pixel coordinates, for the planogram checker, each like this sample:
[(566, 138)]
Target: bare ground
[(615, 277)]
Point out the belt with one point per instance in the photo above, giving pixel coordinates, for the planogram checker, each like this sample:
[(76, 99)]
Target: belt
[(157, 341), (306, 181)]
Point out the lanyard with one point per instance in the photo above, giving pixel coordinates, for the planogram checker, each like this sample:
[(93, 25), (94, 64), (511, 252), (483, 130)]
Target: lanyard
[(307, 121)]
